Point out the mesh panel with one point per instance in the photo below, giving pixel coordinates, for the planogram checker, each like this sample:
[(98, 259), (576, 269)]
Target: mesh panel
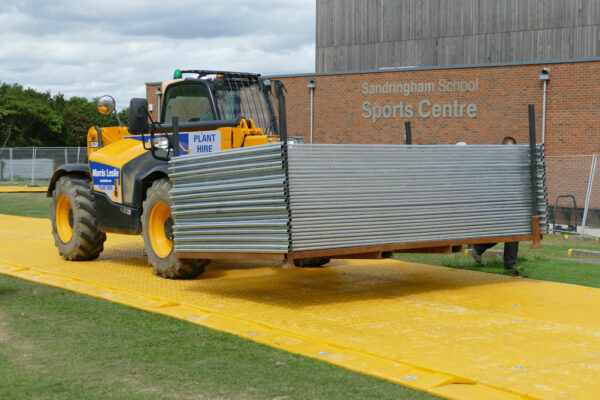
[(35, 165), (567, 188)]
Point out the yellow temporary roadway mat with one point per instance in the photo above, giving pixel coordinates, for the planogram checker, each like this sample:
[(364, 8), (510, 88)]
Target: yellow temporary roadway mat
[(22, 189), (453, 333)]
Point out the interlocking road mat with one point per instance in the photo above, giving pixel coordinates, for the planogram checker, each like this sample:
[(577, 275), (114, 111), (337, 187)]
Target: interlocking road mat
[(22, 189), (453, 333)]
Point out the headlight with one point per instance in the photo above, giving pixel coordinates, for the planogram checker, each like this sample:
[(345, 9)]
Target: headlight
[(161, 142)]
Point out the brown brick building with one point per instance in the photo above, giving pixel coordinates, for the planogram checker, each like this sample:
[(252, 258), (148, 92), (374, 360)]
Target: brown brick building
[(474, 104)]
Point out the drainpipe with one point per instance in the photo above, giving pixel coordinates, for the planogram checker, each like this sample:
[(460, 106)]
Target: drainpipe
[(158, 94), (312, 84), (545, 77)]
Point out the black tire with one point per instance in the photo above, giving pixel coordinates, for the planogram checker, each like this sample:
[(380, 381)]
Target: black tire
[(165, 263), (74, 196), (311, 262)]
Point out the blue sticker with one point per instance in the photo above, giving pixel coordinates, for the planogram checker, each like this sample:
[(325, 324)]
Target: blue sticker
[(106, 179)]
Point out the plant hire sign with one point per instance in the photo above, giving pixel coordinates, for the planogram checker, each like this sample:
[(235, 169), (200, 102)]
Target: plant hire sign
[(375, 110)]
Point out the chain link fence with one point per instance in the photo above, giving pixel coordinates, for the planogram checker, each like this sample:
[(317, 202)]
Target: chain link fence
[(574, 194), (34, 166)]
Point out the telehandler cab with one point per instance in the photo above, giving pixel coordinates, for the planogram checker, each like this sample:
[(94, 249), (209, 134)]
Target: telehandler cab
[(125, 186)]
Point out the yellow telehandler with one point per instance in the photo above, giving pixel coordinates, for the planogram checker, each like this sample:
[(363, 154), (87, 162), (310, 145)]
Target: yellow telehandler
[(124, 187)]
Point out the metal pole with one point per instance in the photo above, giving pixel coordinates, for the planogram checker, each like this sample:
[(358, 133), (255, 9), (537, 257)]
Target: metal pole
[(312, 93), (12, 171), (66, 156), (408, 132), (544, 113), (175, 137), (33, 166), (78, 148), (588, 194), (532, 160)]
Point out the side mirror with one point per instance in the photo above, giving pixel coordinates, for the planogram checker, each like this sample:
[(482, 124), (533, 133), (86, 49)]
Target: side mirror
[(138, 116), (106, 105)]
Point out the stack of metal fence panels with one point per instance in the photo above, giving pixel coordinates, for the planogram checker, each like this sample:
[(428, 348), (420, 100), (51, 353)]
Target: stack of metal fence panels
[(231, 201), (362, 195), (289, 198), (542, 193)]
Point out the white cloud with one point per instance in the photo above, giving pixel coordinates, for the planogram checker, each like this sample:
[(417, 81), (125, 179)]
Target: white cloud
[(90, 48)]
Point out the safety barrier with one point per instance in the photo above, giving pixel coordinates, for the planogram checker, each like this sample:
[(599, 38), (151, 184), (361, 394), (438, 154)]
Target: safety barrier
[(232, 201), (34, 166)]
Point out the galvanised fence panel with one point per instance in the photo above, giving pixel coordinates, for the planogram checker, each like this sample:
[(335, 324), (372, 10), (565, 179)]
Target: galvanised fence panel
[(231, 201), (34, 166), (299, 197), (360, 195)]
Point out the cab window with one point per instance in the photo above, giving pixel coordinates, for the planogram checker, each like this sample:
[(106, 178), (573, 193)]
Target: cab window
[(188, 101)]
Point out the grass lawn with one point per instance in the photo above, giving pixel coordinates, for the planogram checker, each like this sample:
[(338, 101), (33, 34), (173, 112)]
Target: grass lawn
[(56, 344), (551, 263), (25, 204)]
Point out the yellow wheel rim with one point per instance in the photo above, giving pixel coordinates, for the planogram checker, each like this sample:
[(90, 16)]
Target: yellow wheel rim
[(63, 224), (161, 244)]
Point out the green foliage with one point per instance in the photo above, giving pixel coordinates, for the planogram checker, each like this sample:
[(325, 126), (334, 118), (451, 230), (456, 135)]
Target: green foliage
[(25, 204), (551, 263), (30, 118)]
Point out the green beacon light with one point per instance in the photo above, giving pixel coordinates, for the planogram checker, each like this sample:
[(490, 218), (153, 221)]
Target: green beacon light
[(177, 74)]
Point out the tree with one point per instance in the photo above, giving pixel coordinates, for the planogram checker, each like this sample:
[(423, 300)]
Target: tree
[(30, 118), (27, 119)]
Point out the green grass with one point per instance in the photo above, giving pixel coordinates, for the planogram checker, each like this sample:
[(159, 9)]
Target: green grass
[(551, 263), (56, 344), (19, 181), (25, 204)]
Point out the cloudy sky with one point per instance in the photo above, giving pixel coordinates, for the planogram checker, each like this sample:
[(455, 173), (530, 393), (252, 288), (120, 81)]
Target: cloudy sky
[(93, 47)]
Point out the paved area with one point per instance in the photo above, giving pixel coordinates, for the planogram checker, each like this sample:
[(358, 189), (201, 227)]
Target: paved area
[(454, 333)]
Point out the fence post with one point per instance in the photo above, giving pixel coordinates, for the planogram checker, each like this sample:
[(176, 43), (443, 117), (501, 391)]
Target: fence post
[(66, 156), (588, 195), (408, 132), (78, 148), (33, 167), (12, 173)]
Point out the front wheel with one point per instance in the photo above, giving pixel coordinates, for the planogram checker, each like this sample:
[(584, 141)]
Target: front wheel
[(157, 231), (74, 227)]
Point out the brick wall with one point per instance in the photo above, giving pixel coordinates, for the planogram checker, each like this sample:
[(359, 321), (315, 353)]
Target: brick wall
[(152, 98), (501, 96)]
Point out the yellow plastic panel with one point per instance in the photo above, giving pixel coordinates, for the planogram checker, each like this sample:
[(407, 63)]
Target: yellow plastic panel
[(454, 333), (23, 189)]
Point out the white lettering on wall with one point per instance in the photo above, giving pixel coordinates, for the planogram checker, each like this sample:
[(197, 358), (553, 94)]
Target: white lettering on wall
[(452, 108)]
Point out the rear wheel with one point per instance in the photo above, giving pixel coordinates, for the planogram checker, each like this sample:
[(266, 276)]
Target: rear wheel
[(157, 231), (74, 219)]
